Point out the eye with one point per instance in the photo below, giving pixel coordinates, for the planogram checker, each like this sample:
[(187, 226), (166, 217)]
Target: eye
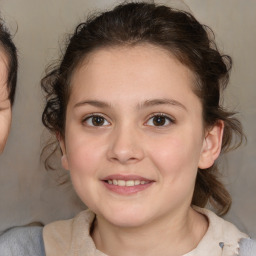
[(159, 120), (96, 120)]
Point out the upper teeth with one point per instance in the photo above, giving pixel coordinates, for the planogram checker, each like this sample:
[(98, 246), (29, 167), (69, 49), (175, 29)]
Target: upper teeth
[(127, 183)]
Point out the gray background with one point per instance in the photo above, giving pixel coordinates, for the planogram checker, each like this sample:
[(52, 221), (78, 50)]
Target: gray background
[(27, 192)]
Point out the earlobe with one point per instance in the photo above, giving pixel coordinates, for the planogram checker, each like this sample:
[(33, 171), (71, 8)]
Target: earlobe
[(64, 159), (211, 145), (64, 162)]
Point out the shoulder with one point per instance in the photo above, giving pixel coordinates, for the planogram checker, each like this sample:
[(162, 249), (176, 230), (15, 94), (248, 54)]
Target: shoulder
[(221, 236), (219, 226), (57, 236), (247, 247), (22, 241), (232, 237), (64, 229), (66, 236)]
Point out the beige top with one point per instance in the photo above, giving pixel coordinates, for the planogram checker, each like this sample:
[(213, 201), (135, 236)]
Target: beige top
[(72, 237)]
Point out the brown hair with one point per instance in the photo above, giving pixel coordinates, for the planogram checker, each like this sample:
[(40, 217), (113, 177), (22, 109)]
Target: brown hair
[(182, 35), (9, 48)]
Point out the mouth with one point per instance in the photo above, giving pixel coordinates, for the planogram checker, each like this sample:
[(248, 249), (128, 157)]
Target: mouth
[(126, 184)]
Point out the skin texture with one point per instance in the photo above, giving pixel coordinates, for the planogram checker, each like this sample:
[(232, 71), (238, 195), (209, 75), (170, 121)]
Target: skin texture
[(5, 105), (135, 84)]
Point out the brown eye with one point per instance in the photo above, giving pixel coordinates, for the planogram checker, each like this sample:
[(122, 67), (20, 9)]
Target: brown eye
[(159, 120), (96, 120)]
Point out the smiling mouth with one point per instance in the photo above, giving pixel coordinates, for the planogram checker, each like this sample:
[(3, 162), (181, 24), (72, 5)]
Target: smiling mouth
[(126, 183)]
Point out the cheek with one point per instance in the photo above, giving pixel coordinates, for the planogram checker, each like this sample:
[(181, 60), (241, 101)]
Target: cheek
[(83, 153), (177, 154)]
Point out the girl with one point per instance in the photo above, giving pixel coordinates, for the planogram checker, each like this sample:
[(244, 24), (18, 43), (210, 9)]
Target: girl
[(135, 105)]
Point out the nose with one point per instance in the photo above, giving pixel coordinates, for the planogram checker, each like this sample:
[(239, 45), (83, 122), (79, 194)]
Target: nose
[(126, 146)]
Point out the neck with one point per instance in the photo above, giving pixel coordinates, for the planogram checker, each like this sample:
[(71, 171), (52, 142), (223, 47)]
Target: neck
[(172, 236)]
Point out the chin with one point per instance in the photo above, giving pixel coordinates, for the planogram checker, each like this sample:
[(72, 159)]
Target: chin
[(127, 222), (126, 218)]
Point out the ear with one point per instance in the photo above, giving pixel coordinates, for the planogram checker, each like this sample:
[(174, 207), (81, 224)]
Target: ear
[(64, 159), (212, 145)]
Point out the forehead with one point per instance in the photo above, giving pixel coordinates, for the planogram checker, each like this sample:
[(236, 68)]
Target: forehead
[(127, 77), (127, 65)]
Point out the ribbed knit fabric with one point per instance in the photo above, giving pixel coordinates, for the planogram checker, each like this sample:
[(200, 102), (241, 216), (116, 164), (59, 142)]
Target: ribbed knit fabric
[(247, 247), (22, 241)]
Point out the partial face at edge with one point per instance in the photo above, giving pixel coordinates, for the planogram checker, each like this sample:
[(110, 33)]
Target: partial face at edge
[(5, 105), (132, 114)]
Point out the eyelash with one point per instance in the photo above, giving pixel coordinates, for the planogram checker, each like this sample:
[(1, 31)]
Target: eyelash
[(168, 118), (154, 115), (92, 116)]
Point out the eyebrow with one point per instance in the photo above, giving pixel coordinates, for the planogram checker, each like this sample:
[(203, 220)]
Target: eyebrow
[(95, 103), (156, 102), (147, 103)]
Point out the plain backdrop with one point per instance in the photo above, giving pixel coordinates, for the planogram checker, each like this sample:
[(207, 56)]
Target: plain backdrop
[(27, 192)]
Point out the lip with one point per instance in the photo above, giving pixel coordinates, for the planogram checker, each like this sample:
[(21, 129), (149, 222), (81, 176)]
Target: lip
[(126, 190), (125, 177)]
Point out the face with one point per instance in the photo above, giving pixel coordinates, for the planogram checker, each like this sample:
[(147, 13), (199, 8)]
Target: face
[(5, 106), (134, 135)]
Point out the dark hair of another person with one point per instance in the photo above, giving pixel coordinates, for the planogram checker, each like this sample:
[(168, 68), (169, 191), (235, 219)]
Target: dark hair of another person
[(7, 45), (184, 37)]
